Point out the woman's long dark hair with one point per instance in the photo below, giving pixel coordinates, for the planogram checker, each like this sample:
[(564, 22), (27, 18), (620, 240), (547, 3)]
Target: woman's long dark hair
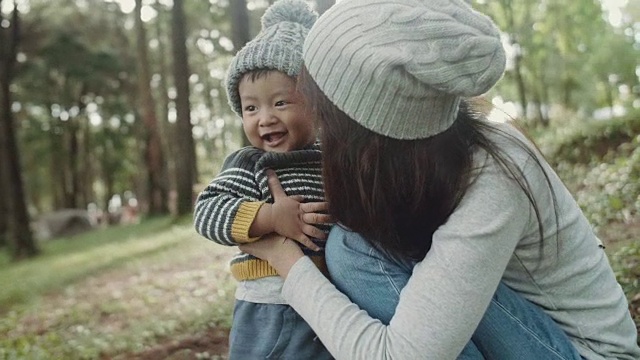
[(396, 193)]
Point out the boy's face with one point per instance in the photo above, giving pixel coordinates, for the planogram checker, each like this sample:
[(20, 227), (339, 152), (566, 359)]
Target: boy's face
[(274, 115)]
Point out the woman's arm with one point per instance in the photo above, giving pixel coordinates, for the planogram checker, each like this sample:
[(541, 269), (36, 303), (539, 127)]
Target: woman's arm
[(445, 298)]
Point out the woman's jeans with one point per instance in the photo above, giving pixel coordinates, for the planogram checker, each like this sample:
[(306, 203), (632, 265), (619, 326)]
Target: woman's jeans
[(512, 327)]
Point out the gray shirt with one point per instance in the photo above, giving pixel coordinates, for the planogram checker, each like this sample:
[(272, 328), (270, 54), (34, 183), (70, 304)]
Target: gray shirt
[(492, 235)]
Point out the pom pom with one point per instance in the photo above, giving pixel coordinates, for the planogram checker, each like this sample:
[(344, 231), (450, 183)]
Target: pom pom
[(296, 11)]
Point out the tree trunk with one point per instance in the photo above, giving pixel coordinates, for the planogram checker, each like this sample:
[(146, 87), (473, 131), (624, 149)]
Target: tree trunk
[(88, 169), (107, 175), (609, 94), (166, 127), (544, 93), (240, 35), (20, 237), (154, 158), (4, 178), (211, 105), (57, 167), (507, 10), (185, 163), (522, 92), (4, 194), (239, 24), (537, 103), (79, 153), (73, 157)]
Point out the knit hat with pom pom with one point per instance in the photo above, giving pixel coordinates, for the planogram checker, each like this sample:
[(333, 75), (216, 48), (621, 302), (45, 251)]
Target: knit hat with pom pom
[(400, 67), (278, 46)]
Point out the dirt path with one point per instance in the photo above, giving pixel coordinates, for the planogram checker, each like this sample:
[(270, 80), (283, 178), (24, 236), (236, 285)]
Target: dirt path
[(186, 290), (211, 344)]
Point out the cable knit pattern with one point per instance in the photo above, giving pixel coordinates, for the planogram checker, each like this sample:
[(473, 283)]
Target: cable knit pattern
[(278, 46), (226, 208), (400, 67)]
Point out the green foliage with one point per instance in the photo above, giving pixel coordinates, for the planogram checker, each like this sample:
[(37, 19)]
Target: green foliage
[(76, 100), (586, 142), (626, 264), (569, 53), (600, 163), (611, 190)]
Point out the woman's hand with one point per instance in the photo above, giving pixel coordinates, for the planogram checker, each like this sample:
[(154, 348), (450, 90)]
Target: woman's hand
[(279, 251)]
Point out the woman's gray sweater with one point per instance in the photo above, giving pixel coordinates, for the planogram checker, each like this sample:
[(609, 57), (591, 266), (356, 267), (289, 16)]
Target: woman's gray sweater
[(492, 235)]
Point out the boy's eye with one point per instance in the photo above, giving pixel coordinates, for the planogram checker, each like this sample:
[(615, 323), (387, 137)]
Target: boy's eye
[(281, 103), (250, 108)]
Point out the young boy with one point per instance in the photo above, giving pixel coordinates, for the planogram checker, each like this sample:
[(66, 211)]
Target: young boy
[(237, 206)]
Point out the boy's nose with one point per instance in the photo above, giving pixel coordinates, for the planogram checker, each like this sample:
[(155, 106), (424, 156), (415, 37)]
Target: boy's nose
[(267, 118)]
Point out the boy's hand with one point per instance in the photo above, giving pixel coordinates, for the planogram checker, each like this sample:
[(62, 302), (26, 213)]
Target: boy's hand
[(294, 219)]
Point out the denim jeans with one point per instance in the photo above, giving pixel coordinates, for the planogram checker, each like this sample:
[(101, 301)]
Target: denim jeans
[(272, 331), (512, 327)]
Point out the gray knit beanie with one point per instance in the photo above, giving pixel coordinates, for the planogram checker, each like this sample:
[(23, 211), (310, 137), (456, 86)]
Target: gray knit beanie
[(400, 67), (278, 46)]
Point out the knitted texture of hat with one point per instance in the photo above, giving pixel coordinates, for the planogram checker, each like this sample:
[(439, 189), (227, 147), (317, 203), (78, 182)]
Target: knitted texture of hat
[(278, 46), (401, 67)]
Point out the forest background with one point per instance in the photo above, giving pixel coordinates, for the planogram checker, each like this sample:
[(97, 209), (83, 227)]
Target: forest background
[(113, 116)]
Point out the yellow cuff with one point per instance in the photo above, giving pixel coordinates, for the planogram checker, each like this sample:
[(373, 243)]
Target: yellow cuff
[(243, 220), (252, 269)]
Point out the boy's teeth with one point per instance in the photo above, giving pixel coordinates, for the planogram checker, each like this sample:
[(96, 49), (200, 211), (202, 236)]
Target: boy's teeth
[(273, 137)]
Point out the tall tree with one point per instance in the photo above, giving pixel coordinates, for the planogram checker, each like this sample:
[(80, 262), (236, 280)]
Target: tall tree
[(4, 191), (19, 235), (166, 128), (4, 178), (157, 182), (240, 34), (4, 206), (73, 83), (510, 18), (186, 161)]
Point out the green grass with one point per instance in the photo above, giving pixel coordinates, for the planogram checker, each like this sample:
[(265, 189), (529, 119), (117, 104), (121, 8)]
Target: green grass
[(66, 260), (115, 291)]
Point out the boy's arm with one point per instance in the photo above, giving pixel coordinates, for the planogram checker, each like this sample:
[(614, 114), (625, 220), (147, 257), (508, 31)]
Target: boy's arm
[(229, 214), (226, 208), (229, 211), (262, 221)]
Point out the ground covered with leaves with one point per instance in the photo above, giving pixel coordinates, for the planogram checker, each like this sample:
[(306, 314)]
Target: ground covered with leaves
[(173, 302)]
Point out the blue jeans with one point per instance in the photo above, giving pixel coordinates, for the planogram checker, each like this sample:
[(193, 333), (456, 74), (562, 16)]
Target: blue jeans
[(512, 327), (272, 331)]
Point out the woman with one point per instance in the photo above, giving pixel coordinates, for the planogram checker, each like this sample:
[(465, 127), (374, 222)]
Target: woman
[(446, 205)]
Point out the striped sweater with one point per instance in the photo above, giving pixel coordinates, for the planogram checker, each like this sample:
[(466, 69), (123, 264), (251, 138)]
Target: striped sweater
[(226, 208)]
